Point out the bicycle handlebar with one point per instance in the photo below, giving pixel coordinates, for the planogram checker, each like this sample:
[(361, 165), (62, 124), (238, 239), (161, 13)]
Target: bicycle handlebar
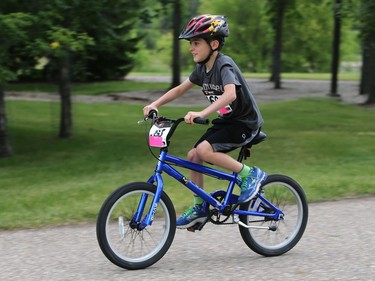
[(202, 121), (153, 114)]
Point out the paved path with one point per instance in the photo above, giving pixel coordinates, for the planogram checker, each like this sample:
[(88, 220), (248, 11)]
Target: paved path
[(262, 89), (338, 244)]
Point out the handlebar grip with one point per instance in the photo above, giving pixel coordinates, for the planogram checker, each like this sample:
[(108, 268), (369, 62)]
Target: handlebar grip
[(152, 113), (202, 121)]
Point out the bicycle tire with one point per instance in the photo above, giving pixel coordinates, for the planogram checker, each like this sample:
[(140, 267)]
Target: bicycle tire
[(125, 246), (287, 195)]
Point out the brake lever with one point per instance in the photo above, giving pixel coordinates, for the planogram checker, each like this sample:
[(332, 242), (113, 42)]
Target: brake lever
[(142, 120)]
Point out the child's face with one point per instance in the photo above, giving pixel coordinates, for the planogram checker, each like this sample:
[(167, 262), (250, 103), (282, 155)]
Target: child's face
[(199, 49)]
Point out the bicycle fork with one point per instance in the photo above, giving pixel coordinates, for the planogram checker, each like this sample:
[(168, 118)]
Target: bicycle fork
[(137, 221)]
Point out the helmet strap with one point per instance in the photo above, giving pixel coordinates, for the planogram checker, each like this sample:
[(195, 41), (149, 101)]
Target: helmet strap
[(207, 59), (211, 52)]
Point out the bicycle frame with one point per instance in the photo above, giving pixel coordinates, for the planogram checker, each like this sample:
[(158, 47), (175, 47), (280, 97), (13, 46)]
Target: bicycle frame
[(163, 165), (131, 238)]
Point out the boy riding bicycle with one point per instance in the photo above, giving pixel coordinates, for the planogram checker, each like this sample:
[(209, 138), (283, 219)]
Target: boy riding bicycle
[(239, 119)]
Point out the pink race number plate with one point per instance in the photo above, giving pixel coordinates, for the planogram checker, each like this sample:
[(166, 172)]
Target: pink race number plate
[(155, 141)]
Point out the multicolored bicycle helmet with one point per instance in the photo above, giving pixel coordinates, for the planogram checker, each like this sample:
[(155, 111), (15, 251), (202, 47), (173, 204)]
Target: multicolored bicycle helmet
[(209, 27), (206, 26)]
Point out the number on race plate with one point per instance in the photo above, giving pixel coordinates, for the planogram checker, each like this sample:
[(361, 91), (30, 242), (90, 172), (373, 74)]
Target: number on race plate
[(222, 111), (158, 134)]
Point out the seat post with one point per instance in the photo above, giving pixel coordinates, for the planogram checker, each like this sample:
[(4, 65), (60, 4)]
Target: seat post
[(243, 154), (245, 150)]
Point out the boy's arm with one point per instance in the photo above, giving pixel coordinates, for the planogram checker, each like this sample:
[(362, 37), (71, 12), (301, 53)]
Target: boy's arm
[(226, 98), (169, 96)]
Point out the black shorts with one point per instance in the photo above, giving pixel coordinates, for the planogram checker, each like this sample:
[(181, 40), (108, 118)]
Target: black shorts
[(226, 136)]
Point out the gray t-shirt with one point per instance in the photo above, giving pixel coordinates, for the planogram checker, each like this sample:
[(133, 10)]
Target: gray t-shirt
[(224, 71)]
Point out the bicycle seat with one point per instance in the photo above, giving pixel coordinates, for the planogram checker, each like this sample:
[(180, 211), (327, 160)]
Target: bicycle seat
[(258, 138)]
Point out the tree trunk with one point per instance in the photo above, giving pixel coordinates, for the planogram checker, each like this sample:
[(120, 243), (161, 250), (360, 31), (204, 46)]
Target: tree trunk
[(66, 105), (368, 52), (370, 71), (335, 48), (365, 71), (176, 43), (277, 50), (5, 149)]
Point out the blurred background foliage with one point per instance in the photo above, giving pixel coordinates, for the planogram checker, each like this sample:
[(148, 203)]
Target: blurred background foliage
[(62, 42), (108, 39), (307, 36)]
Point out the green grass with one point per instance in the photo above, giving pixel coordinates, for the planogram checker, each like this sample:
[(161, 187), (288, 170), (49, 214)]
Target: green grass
[(325, 145), (97, 88)]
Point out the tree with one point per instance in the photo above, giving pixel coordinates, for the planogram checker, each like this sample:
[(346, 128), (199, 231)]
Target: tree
[(59, 44), (335, 48), (80, 40), (367, 21), (176, 43), (5, 148), (162, 27), (13, 30), (93, 46), (278, 8), (64, 44), (365, 69), (111, 25)]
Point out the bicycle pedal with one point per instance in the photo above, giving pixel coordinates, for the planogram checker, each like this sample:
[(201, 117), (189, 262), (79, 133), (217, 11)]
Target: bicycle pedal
[(191, 229), (197, 226)]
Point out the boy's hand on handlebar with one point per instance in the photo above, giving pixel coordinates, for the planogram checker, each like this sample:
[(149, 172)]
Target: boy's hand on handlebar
[(190, 116), (148, 108)]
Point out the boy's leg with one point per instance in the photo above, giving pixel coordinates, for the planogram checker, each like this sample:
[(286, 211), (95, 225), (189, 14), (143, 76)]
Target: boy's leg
[(196, 213), (221, 159), (195, 177), (204, 152), (251, 178)]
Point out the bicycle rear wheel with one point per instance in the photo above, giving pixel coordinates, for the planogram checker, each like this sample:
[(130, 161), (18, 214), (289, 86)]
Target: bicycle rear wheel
[(287, 195), (119, 238)]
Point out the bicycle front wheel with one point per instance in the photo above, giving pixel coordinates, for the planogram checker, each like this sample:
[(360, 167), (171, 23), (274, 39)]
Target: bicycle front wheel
[(119, 237), (270, 237)]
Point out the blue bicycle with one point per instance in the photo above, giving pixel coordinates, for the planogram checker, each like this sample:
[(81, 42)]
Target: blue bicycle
[(137, 222)]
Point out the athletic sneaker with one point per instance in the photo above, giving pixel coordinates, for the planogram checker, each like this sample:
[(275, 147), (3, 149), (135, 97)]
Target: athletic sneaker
[(192, 216), (250, 185)]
